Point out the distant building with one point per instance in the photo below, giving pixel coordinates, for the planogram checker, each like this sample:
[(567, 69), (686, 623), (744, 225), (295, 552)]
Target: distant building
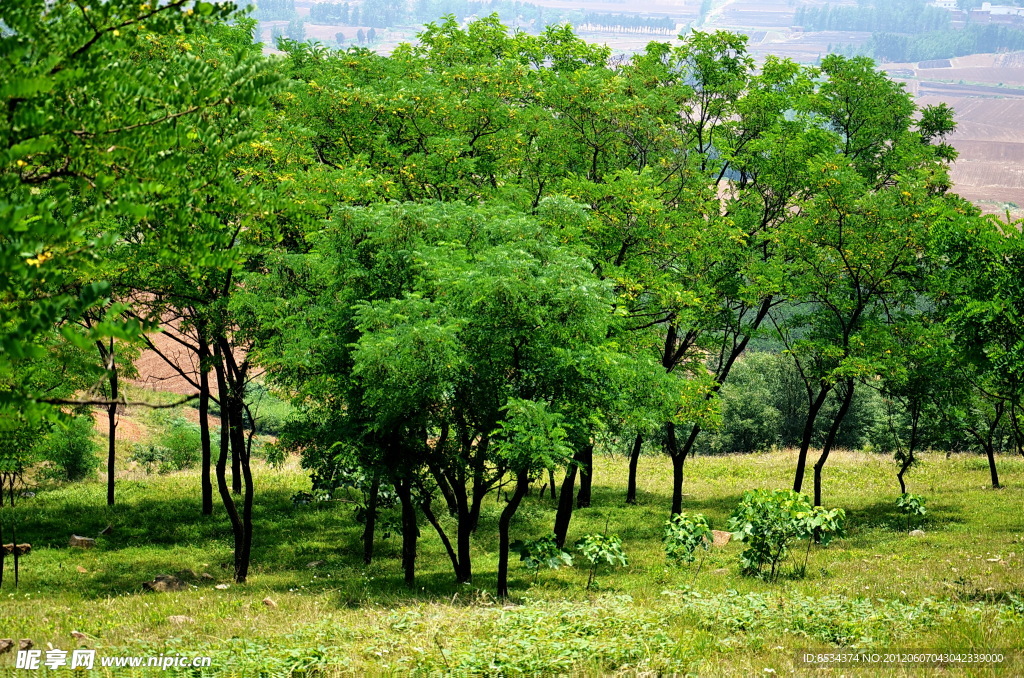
[(945, 4)]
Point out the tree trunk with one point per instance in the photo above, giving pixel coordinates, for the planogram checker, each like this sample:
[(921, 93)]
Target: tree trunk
[(991, 453), (551, 482), (410, 532), (371, 520), (107, 353), (678, 457), (830, 440), (504, 522), (564, 513), (464, 571), (805, 439), (221, 468), (432, 519), (586, 476), (204, 426), (634, 459)]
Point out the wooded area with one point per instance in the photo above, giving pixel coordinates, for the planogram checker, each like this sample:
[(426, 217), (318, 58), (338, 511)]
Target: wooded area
[(472, 264)]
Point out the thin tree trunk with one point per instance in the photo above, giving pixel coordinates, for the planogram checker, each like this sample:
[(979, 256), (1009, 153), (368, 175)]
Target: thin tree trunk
[(222, 458), (586, 476), (634, 459), (371, 520), (805, 440), (504, 522), (464, 527), (551, 482), (990, 452), (410, 531), (564, 513), (432, 519), (833, 430), (107, 353), (204, 426)]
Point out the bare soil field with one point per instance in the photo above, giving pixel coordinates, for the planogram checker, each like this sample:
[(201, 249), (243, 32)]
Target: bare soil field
[(990, 169)]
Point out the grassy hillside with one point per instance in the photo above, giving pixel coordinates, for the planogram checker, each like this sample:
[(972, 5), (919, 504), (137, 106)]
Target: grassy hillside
[(958, 587)]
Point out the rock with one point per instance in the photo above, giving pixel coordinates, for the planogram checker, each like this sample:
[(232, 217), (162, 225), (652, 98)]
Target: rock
[(186, 574), (20, 549), (917, 533), (78, 635), (269, 602), (181, 619), (27, 494), (315, 563), (5, 645), (82, 542), (82, 569), (207, 575), (107, 530), (720, 538), (722, 570), (163, 583), (222, 587), (25, 644)]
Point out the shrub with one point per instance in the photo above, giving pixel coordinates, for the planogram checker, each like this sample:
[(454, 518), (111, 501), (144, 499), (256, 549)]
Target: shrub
[(178, 447), (71, 449), (684, 535), (600, 548), (911, 505), (768, 522), (544, 551)]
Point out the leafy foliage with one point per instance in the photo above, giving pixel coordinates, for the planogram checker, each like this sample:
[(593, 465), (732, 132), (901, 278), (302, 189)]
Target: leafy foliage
[(684, 535), (544, 551), (768, 522)]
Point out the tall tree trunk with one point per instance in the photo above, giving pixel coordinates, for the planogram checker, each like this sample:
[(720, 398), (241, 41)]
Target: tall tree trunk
[(808, 434), (586, 476), (634, 460), (504, 522), (410, 531), (830, 440), (371, 519), (563, 515), (222, 459), (107, 353), (204, 425), (464, 529)]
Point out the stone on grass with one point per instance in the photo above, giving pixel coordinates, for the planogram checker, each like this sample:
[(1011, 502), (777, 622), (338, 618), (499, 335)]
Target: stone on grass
[(722, 570), (25, 644), (78, 635), (5, 645), (917, 533), (82, 542), (206, 575), (315, 563), (720, 538), (269, 602), (181, 619), (81, 569), (163, 583), (222, 587)]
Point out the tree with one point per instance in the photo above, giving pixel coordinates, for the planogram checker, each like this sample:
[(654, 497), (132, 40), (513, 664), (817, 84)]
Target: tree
[(72, 171)]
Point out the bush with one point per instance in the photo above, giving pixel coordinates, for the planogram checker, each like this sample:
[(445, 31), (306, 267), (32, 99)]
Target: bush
[(70, 447), (600, 548), (684, 534), (769, 522), (178, 447), (911, 505)]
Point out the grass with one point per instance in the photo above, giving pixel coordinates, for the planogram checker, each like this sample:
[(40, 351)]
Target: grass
[(958, 587)]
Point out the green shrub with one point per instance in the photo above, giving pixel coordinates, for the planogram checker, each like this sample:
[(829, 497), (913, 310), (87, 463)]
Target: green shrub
[(177, 447), (768, 522), (70, 448), (543, 551), (600, 548), (911, 505), (684, 535)]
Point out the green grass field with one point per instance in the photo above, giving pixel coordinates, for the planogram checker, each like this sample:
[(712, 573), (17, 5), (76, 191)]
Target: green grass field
[(960, 587)]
